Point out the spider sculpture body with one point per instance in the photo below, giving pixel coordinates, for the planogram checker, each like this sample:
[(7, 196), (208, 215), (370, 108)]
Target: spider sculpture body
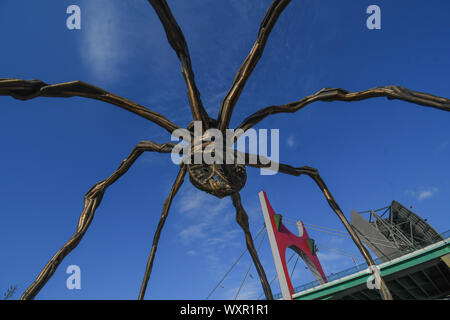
[(220, 180)]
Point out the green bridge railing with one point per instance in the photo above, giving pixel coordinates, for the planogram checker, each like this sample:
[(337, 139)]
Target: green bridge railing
[(352, 270)]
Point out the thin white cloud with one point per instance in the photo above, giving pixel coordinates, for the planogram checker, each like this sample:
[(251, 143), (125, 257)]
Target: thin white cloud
[(207, 224), (205, 217), (249, 291), (197, 203), (290, 141), (225, 238), (193, 232), (103, 40), (329, 256), (422, 193), (425, 194), (191, 253)]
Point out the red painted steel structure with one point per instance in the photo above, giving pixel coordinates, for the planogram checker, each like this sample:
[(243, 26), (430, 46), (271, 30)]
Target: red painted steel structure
[(286, 239)]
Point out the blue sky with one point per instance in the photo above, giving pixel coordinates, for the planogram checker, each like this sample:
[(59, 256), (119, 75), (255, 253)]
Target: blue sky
[(54, 150)]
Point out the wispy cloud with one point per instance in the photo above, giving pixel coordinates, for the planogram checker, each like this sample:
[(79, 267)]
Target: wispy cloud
[(207, 223), (426, 194), (329, 256), (224, 238), (250, 290), (200, 204), (290, 141), (422, 193), (103, 40), (191, 253), (193, 232)]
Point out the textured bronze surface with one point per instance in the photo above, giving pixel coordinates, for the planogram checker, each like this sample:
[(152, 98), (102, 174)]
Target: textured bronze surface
[(242, 220), (219, 180), (92, 200), (246, 69), (176, 39), (29, 89), (148, 269), (338, 94)]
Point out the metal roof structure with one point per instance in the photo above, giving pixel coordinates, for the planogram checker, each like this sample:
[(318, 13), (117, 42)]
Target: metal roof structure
[(394, 232), (421, 275)]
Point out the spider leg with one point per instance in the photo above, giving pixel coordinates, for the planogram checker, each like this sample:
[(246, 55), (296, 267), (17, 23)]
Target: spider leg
[(246, 69), (175, 187), (29, 89), (178, 42), (92, 200), (242, 220), (338, 94), (314, 174)]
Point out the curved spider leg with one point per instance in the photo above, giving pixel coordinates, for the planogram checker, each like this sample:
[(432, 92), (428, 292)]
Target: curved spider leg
[(242, 220), (246, 69), (338, 94), (178, 42), (314, 174), (29, 89), (92, 200), (148, 269)]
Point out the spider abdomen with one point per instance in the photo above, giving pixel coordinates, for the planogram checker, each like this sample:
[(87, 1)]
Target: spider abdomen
[(220, 180)]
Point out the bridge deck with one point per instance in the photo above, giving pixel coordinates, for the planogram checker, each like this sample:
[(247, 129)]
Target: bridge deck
[(422, 274)]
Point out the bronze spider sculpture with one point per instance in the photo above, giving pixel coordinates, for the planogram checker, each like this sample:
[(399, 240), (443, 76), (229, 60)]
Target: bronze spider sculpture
[(219, 180)]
